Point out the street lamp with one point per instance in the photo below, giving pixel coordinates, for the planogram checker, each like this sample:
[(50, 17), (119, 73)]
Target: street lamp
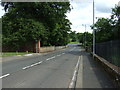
[(85, 35)]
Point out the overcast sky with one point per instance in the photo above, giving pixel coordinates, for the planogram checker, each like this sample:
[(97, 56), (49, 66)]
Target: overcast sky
[(82, 12)]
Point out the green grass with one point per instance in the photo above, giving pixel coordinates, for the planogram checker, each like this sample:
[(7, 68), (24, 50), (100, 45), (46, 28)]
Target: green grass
[(5, 54), (74, 43)]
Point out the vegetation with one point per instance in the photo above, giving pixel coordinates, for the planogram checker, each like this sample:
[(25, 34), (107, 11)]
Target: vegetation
[(26, 22), (4, 54), (108, 28)]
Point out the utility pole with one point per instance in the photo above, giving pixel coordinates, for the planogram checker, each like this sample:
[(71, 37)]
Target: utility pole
[(85, 35), (93, 31)]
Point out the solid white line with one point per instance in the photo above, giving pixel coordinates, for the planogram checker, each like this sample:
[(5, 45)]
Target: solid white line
[(4, 76)]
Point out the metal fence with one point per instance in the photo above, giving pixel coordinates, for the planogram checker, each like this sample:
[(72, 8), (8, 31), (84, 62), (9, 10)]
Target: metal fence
[(110, 51)]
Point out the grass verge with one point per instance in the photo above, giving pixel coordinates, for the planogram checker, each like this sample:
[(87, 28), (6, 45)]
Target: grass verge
[(5, 54), (74, 43)]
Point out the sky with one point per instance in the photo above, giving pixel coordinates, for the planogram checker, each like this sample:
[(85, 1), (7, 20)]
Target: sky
[(82, 13)]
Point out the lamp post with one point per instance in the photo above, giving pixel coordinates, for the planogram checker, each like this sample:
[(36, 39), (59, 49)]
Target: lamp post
[(93, 31), (85, 35)]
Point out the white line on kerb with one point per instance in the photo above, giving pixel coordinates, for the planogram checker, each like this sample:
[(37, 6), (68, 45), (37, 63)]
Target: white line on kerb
[(4, 76), (74, 78)]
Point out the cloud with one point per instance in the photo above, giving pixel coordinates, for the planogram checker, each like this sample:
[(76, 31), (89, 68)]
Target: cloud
[(1, 11), (82, 12)]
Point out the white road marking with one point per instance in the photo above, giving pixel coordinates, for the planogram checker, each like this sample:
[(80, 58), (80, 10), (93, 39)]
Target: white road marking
[(63, 53), (48, 59), (28, 54), (32, 65), (80, 74), (74, 78), (26, 67), (58, 55), (4, 76), (52, 57)]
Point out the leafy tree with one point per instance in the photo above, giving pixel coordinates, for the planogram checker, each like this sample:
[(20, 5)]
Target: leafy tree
[(36, 20), (21, 31), (73, 36)]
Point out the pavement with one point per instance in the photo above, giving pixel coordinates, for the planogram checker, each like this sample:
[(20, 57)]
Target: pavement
[(67, 68)]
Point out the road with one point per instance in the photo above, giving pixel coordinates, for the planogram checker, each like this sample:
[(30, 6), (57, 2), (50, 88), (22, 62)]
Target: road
[(54, 70)]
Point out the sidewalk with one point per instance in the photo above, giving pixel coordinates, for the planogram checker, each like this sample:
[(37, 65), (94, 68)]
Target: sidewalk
[(91, 74)]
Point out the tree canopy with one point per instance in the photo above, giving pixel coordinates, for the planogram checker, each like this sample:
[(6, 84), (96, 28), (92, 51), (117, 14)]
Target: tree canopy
[(31, 21), (108, 28)]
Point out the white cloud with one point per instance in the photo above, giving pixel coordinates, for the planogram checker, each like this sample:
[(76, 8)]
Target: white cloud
[(1, 11), (82, 12)]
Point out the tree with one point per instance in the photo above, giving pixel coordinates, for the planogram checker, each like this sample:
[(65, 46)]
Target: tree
[(108, 29), (46, 22)]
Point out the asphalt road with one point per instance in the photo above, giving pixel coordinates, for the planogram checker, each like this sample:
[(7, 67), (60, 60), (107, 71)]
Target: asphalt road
[(52, 70)]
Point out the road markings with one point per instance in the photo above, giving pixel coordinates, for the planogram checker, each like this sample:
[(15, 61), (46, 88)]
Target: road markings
[(50, 58), (74, 78), (32, 65), (58, 55), (4, 76), (26, 67), (28, 54), (80, 75), (63, 53)]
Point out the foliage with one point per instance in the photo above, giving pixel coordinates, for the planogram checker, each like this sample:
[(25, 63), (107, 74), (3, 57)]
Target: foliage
[(30, 21), (108, 29), (85, 38)]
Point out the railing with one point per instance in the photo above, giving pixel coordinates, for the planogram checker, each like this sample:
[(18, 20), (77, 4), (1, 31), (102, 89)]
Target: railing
[(110, 51)]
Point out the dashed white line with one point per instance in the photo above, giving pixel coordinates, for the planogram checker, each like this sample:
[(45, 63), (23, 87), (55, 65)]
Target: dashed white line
[(58, 55), (52, 57), (4, 76), (26, 67), (32, 65), (48, 59), (63, 53)]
